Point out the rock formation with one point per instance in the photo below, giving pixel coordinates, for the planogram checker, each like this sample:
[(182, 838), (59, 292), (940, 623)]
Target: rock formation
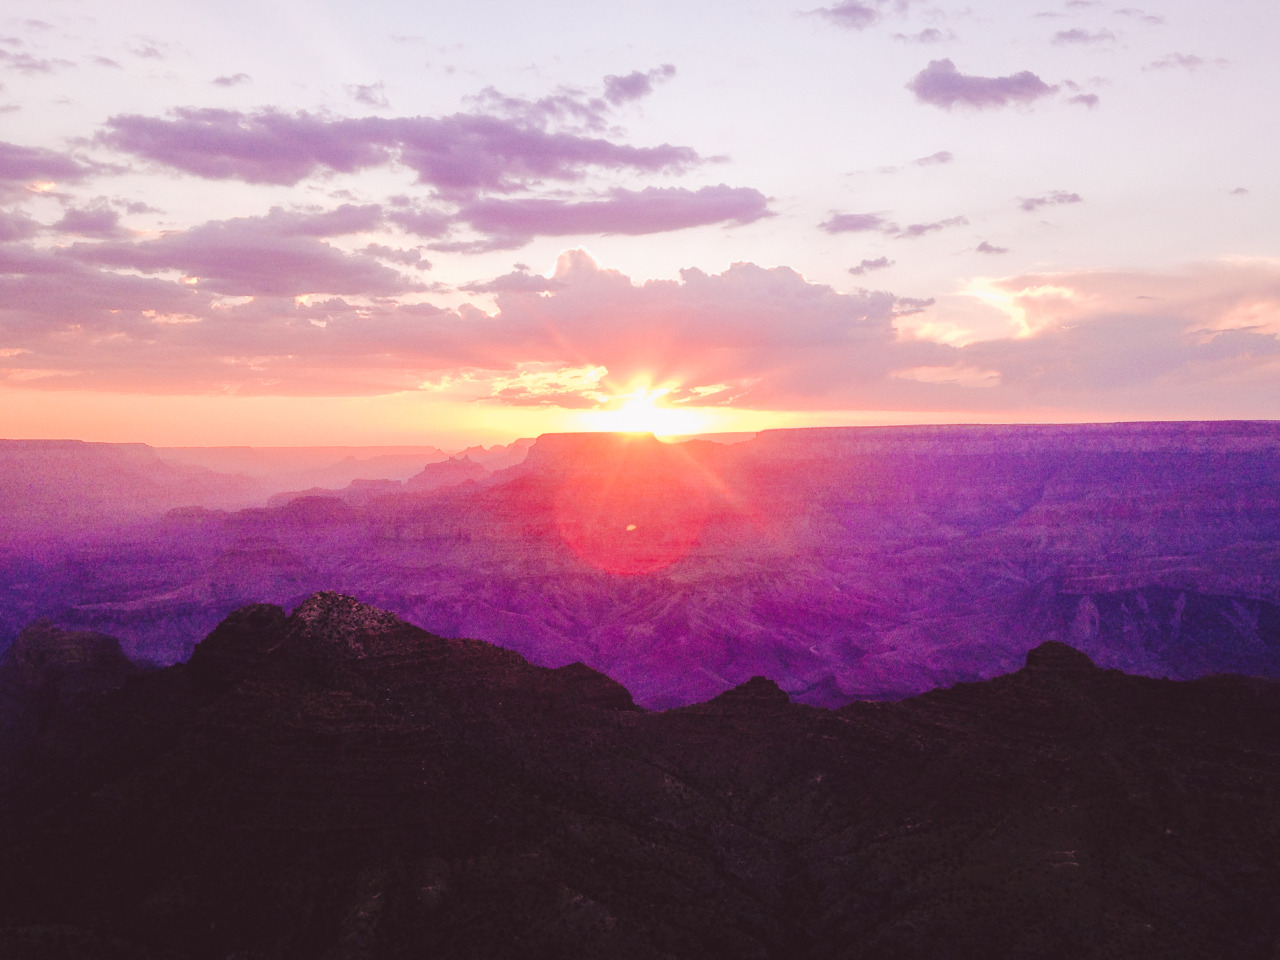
[(336, 783)]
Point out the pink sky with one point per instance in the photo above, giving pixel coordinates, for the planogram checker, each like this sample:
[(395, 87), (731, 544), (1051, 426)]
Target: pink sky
[(262, 225)]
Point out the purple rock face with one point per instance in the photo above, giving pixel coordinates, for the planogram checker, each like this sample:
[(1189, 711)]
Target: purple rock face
[(841, 563)]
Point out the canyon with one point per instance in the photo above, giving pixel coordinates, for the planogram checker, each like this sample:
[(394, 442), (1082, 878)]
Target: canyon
[(843, 563)]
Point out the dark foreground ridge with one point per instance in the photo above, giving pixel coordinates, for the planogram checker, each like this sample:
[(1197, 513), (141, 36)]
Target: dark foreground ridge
[(337, 783)]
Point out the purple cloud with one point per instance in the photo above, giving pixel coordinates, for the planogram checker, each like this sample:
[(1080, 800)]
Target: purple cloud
[(1180, 61), (635, 85), (99, 222), (16, 226), (1089, 100), (864, 222), (276, 255), (850, 14), (231, 80), (927, 35), (1239, 191), (371, 94), (855, 223), (348, 218), (458, 155), (421, 222), (148, 50), (518, 281), (934, 159), (410, 258), (911, 231), (21, 165), (1056, 198), (1076, 35), (632, 212), (1140, 15), (25, 63), (942, 85), (866, 266), (985, 247)]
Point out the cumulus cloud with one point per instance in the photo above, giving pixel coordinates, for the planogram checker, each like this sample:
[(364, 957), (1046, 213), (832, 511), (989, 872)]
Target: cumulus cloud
[(985, 247), (370, 94), (943, 85), (459, 155), (934, 159), (276, 255), (1056, 198), (15, 225), (409, 258), (98, 221), (1157, 339), (763, 337), (21, 165), (231, 80), (518, 281), (1089, 100), (635, 85)]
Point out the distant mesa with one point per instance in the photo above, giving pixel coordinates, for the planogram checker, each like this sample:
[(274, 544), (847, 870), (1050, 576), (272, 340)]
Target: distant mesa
[(447, 473)]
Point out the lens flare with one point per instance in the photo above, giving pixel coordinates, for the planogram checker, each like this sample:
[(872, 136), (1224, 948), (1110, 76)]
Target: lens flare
[(644, 410)]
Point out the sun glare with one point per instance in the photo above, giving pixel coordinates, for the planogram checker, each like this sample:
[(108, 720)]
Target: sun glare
[(643, 411)]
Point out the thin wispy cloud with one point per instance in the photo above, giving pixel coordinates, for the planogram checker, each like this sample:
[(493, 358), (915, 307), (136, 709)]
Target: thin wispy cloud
[(867, 266), (1083, 37), (871, 222), (851, 14), (1056, 198)]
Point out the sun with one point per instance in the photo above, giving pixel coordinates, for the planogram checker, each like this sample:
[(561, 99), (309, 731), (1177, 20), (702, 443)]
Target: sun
[(644, 411)]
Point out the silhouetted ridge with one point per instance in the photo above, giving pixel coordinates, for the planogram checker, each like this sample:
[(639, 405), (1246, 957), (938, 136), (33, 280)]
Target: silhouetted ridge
[(341, 784), (755, 690), (48, 671), (1058, 658), (757, 697)]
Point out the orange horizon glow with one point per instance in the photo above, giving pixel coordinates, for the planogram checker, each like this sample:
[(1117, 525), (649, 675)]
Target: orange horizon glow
[(411, 419)]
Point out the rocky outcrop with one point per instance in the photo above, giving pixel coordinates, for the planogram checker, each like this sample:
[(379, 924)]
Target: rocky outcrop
[(48, 672), (424, 796)]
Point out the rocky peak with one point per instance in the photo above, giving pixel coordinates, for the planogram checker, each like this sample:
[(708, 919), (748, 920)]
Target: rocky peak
[(333, 624), (49, 670), (1055, 657), (758, 693), (43, 650)]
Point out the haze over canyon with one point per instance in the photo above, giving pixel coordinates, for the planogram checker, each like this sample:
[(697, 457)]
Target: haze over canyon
[(841, 563)]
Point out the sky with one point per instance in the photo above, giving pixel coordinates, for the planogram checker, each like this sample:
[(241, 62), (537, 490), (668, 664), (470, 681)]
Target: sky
[(289, 222)]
